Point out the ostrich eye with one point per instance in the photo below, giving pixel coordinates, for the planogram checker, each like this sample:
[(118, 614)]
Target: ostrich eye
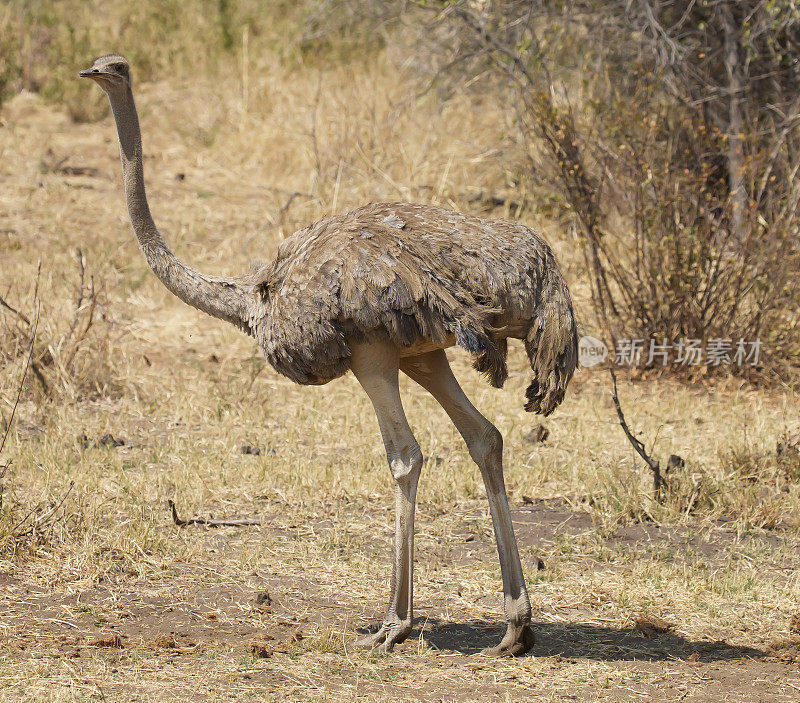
[(119, 67)]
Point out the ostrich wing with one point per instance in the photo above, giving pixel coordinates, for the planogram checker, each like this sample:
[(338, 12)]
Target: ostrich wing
[(400, 272)]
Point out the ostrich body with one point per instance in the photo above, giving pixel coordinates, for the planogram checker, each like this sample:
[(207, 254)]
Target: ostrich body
[(382, 289)]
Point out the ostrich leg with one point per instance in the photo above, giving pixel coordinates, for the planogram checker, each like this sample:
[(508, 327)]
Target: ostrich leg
[(432, 371), (376, 368)]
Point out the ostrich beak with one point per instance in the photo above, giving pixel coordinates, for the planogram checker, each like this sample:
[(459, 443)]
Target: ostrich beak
[(89, 72)]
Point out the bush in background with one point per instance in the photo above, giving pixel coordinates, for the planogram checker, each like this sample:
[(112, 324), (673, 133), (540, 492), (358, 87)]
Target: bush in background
[(668, 134), (44, 44)]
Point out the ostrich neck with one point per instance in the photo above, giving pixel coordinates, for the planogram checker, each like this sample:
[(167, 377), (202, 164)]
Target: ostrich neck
[(220, 297)]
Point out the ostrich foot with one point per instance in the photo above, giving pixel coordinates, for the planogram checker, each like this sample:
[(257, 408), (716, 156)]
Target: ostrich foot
[(517, 641), (388, 635)]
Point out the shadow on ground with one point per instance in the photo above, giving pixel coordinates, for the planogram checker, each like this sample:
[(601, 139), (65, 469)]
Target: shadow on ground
[(575, 641)]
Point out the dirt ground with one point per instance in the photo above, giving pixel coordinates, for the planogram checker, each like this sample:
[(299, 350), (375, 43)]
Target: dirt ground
[(635, 601), (187, 630)]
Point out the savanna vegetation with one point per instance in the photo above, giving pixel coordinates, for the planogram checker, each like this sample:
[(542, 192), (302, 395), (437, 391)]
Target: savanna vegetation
[(655, 145)]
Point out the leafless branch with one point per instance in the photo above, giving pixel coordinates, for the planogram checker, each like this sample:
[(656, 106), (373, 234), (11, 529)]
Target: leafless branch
[(658, 480), (210, 522)]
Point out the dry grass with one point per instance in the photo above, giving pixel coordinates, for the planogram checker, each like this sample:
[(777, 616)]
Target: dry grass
[(185, 393)]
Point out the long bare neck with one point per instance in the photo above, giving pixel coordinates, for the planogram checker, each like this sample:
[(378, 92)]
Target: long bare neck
[(224, 298)]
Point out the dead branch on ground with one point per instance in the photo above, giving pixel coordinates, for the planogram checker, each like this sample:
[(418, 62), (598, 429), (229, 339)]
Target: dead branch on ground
[(210, 522)]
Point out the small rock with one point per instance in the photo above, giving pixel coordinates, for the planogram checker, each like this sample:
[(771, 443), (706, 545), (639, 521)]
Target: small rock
[(108, 440), (180, 176), (651, 625), (675, 462), (263, 598), (247, 449), (538, 563), (537, 435)]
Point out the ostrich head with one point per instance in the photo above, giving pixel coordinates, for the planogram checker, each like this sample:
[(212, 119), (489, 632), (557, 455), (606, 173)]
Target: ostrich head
[(109, 72)]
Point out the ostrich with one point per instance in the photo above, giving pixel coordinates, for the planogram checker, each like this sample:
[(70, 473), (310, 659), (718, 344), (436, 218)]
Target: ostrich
[(379, 290)]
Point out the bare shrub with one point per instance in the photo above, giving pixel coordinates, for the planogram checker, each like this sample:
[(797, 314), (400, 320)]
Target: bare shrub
[(677, 169), (27, 527), (70, 354)]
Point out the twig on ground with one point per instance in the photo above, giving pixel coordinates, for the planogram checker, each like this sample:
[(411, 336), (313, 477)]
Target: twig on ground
[(210, 522), (658, 479)]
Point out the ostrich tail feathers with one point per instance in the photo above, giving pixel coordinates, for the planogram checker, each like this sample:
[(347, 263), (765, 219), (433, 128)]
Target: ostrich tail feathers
[(552, 347)]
